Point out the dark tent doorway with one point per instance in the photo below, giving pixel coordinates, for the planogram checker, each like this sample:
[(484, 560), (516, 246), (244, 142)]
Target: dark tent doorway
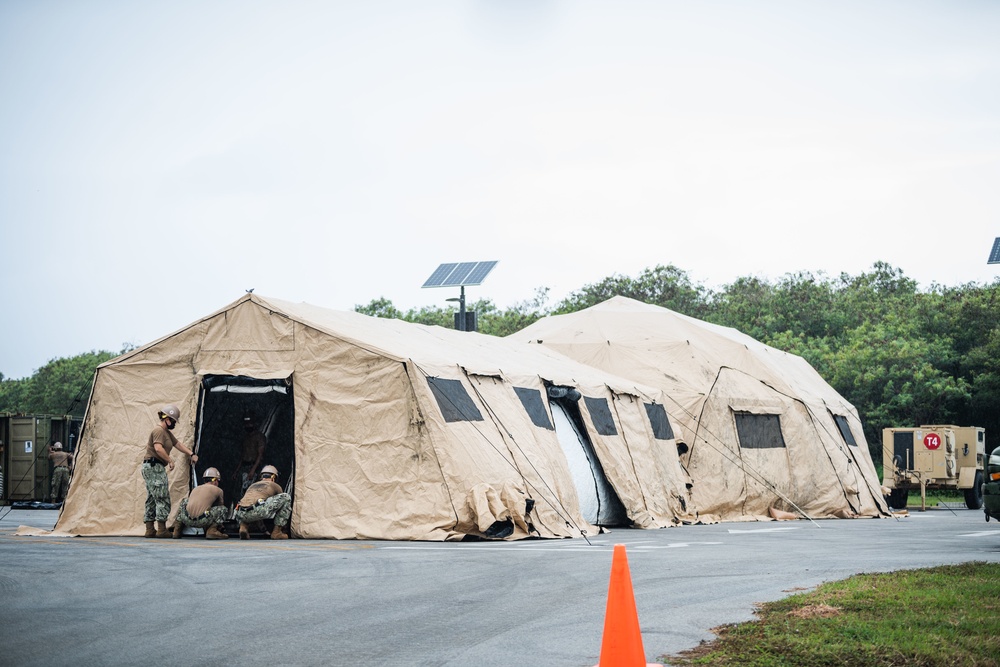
[(230, 409)]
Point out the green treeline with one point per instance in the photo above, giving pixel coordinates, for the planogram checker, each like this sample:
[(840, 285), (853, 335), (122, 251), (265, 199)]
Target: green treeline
[(60, 387), (901, 355)]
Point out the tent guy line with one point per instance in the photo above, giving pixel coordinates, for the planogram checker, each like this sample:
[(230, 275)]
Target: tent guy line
[(762, 423), (560, 510), (740, 463)]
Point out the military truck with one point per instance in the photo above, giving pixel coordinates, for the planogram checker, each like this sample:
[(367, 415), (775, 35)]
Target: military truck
[(935, 456), (991, 487)]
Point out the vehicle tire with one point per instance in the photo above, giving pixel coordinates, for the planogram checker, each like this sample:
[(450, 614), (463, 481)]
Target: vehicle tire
[(898, 498), (974, 496)]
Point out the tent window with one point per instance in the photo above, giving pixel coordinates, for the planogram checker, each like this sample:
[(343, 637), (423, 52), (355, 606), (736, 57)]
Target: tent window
[(531, 399), (845, 430), (600, 415), (658, 420), (759, 431), (455, 403)]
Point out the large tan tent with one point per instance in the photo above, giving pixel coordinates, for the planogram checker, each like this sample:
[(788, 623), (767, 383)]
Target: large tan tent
[(767, 434), (383, 429)]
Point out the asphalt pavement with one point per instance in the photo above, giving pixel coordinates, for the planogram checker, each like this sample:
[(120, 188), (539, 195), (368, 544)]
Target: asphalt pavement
[(129, 601)]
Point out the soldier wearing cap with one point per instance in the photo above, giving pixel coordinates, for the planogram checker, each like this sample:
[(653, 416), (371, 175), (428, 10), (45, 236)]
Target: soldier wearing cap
[(154, 471), (204, 508), (265, 500), (62, 462)]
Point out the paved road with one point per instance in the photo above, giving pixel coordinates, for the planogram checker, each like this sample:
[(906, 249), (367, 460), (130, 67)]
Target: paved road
[(131, 601)]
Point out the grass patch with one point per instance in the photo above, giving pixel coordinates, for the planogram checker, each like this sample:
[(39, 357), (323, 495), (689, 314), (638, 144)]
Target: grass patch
[(935, 497), (946, 616)]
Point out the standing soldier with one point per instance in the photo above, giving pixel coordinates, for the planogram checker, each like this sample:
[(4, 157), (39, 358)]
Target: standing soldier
[(154, 471), (265, 500), (204, 508), (251, 453), (62, 463)]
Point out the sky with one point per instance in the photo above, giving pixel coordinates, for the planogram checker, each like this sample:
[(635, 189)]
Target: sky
[(160, 158)]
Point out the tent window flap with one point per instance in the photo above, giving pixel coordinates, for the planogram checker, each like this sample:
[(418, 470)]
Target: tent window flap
[(659, 421), (600, 415), (845, 430), (759, 431), (455, 403), (531, 399)]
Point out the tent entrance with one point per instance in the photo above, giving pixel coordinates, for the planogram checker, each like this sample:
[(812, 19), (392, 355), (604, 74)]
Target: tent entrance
[(231, 409), (599, 503)]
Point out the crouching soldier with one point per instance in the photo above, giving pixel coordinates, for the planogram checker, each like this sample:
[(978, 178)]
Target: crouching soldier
[(203, 508), (265, 500)]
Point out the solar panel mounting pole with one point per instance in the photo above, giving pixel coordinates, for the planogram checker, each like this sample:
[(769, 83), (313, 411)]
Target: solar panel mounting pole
[(461, 309), (460, 275)]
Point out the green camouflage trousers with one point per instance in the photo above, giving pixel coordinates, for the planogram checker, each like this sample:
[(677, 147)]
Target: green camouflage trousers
[(60, 483), (213, 516), (277, 507), (157, 492)]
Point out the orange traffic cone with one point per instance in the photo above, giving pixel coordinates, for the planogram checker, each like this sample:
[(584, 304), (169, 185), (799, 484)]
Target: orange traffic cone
[(622, 642)]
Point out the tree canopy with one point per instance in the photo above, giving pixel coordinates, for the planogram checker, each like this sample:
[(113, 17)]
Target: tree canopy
[(60, 387), (901, 356)]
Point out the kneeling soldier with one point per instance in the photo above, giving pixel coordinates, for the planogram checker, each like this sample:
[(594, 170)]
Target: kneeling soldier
[(265, 500), (203, 508)]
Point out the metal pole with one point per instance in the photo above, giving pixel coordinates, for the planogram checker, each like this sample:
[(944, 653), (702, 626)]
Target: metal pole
[(461, 310)]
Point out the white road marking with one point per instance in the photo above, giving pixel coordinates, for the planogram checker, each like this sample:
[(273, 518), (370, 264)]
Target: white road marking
[(675, 545), (762, 530), (643, 546), (984, 533)]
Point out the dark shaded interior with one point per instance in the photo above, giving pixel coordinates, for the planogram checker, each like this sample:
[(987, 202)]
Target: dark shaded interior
[(226, 402)]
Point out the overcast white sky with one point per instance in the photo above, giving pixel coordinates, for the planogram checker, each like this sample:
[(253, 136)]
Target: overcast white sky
[(158, 159)]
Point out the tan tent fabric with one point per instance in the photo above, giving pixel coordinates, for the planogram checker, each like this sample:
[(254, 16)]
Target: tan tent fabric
[(374, 457), (709, 374)]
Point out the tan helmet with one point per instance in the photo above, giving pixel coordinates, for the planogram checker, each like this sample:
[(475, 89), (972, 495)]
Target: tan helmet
[(269, 469), (170, 411), (212, 473), (56, 446)]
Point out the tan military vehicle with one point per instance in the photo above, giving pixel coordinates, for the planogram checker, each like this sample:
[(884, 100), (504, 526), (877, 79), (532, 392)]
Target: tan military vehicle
[(933, 457)]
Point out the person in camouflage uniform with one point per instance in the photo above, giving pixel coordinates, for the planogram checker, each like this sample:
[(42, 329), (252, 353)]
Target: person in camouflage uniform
[(61, 462), (204, 508), (265, 500), (154, 471)]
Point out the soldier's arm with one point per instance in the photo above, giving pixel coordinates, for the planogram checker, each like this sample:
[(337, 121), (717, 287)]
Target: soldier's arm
[(161, 454), (184, 450)]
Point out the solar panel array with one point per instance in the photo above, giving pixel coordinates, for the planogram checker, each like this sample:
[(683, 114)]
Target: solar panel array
[(995, 253), (459, 274)]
